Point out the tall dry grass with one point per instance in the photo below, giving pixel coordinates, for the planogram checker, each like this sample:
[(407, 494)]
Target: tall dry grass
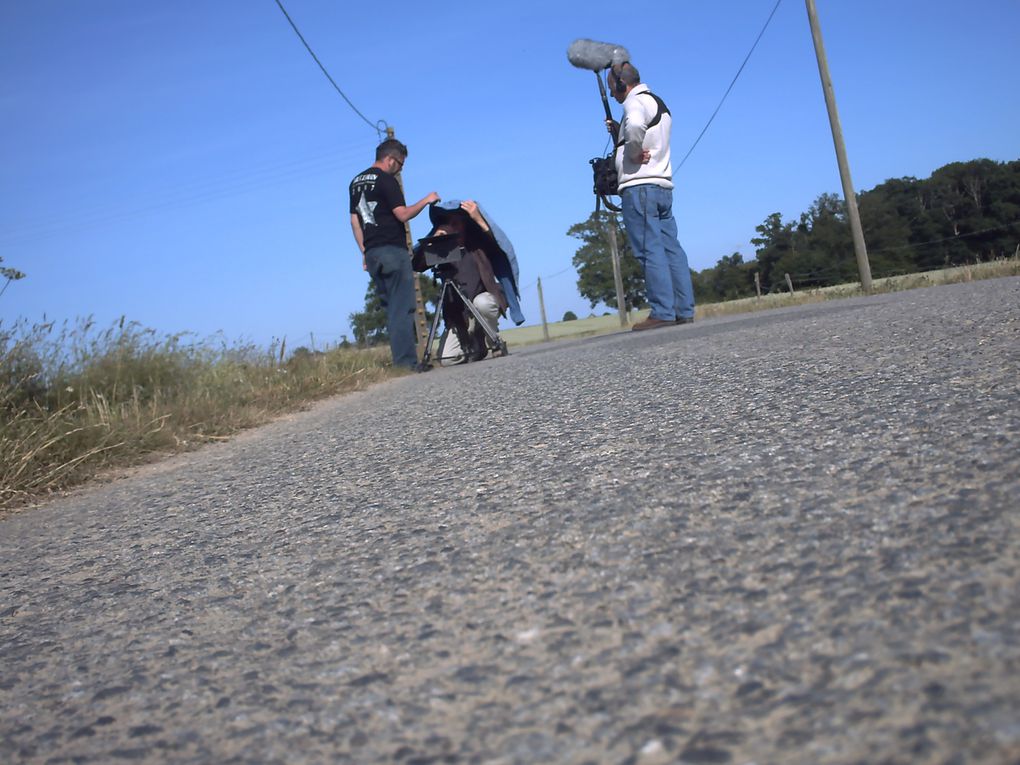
[(77, 399)]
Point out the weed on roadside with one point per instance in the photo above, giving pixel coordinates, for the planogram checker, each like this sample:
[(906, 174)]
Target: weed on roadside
[(75, 399)]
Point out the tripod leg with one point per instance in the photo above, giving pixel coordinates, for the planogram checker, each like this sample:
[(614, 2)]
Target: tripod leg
[(435, 325), (495, 341)]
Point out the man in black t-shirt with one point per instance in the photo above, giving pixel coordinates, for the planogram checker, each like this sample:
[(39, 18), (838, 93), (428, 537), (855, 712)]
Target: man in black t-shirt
[(378, 215)]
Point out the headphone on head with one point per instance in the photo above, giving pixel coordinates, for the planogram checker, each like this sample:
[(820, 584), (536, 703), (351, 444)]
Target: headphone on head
[(619, 86)]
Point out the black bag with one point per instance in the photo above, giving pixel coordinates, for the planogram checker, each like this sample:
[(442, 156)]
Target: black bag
[(606, 179)]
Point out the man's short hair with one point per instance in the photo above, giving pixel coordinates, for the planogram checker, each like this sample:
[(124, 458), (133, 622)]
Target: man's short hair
[(626, 73), (391, 147)]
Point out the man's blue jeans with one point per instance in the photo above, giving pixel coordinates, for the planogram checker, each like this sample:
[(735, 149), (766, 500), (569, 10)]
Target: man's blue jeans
[(651, 230), (390, 269)]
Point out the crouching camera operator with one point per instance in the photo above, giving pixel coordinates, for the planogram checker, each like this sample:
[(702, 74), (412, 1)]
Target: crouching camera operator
[(464, 339), (476, 263)]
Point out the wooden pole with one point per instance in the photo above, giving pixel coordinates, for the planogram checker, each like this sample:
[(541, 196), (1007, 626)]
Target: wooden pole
[(614, 253), (420, 322), (541, 308), (789, 283), (860, 249), (757, 284)]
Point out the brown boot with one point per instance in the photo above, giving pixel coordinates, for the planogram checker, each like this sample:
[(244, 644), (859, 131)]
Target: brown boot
[(651, 323)]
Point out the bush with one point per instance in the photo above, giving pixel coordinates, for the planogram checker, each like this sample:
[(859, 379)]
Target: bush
[(570, 316)]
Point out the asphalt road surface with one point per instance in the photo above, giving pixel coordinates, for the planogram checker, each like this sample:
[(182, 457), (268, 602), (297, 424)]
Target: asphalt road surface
[(778, 538)]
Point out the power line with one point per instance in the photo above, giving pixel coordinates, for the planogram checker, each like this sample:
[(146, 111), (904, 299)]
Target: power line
[(551, 276), (559, 273), (741, 69), (301, 37), (949, 238), (205, 190)]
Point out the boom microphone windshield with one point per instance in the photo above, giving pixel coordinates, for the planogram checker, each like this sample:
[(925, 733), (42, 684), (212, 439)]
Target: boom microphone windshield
[(590, 54)]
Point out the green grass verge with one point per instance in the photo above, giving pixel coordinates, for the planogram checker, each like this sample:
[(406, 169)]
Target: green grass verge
[(602, 325)]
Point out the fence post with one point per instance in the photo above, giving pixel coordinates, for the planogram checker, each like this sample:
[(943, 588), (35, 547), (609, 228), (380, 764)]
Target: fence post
[(757, 284), (789, 282)]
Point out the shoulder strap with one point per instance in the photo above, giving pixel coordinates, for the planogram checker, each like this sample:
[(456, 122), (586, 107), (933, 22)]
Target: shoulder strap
[(660, 110)]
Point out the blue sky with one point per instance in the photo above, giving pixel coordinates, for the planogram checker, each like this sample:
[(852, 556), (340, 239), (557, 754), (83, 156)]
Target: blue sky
[(185, 164)]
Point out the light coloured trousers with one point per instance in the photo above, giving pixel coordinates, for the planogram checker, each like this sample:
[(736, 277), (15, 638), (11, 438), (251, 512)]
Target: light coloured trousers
[(488, 308)]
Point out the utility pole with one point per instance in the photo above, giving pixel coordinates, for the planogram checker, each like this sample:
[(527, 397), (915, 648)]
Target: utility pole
[(614, 252), (541, 307), (420, 323), (860, 249)]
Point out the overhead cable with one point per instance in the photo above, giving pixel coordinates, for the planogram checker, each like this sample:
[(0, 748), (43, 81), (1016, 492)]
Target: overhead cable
[(967, 235), (741, 69), (551, 276), (301, 37)]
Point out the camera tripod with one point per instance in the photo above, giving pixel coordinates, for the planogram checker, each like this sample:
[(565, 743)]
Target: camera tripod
[(493, 341)]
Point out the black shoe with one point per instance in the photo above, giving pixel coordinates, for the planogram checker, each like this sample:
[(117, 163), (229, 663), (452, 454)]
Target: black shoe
[(479, 348), (420, 367), (684, 319)]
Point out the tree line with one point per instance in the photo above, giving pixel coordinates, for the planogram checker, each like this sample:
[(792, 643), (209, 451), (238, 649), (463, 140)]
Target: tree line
[(965, 212)]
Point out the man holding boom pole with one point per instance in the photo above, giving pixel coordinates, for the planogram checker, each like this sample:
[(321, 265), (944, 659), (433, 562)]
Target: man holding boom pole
[(646, 190)]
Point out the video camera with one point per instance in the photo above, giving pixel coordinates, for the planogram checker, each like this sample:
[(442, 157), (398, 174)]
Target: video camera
[(438, 252)]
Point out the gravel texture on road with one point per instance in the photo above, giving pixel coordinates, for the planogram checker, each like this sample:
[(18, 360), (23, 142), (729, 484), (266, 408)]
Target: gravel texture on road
[(778, 538)]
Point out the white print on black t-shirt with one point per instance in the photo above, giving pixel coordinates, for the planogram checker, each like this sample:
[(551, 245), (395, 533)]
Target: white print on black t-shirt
[(366, 210)]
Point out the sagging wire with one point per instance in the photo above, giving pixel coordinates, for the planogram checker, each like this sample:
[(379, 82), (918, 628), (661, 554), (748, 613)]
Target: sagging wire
[(914, 245), (551, 276), (734, 82), (301, 37)]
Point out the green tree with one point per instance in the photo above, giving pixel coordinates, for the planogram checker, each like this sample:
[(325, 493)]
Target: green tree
[(821, 247), (570, 316), (430, 294), (887, 214), (595, 266), (964, 212), (971, 202), (369, 324), (729, 279), (776, 240), (1002, 209)]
